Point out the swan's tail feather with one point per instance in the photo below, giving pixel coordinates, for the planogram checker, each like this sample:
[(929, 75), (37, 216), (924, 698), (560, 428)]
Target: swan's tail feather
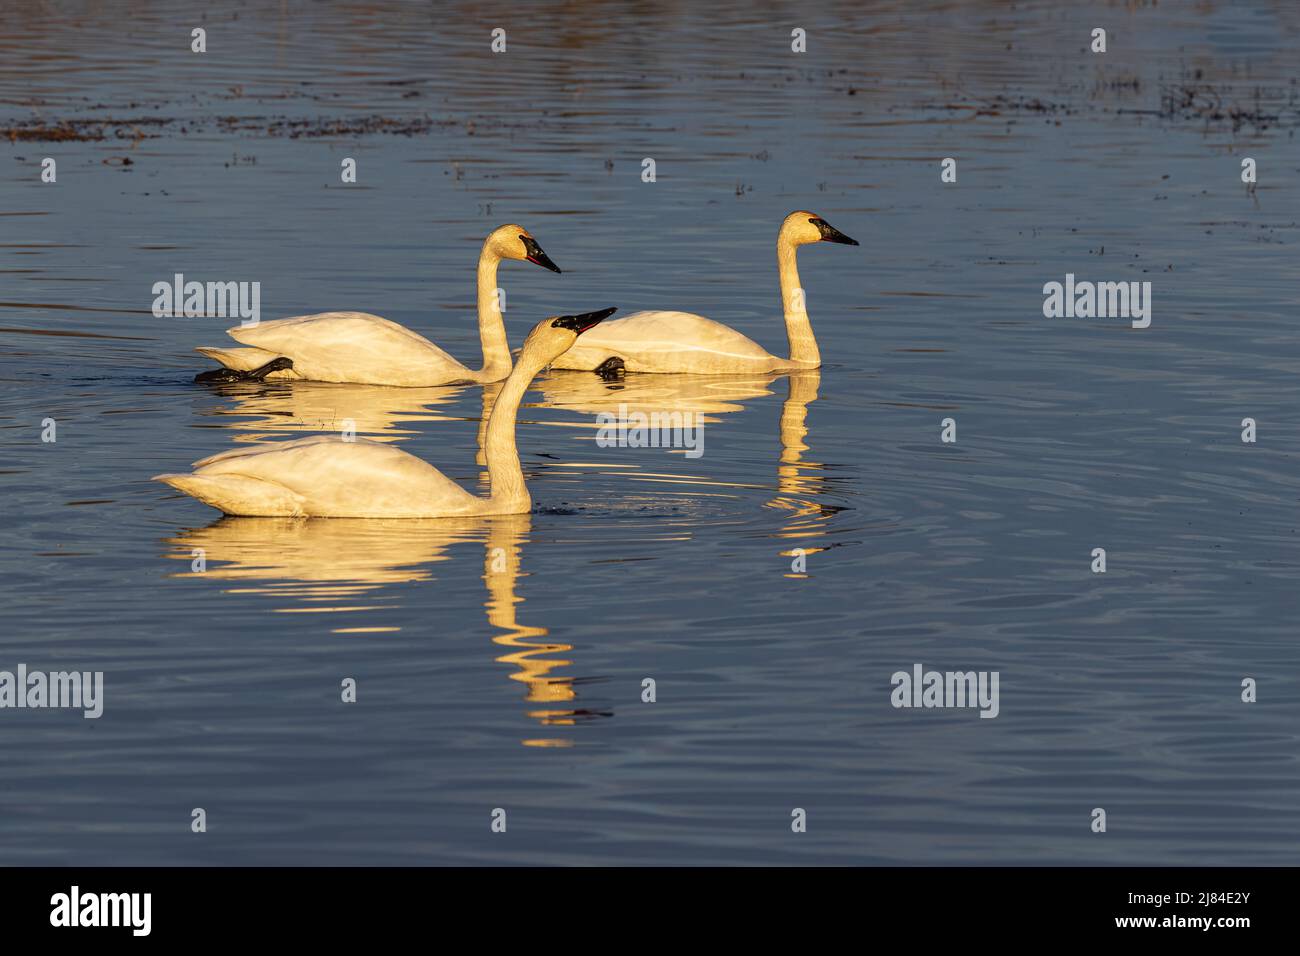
[(244, 360), (238, 494)]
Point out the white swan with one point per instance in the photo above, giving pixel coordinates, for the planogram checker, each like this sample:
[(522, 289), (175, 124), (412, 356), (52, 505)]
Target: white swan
[(326, 476), (369, 350), (684, 342)]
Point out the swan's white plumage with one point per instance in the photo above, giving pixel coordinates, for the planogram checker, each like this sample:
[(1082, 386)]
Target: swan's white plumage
[(666, 342), (353, 347), (365, 349), (669, 342), (330, 477), (324, 476)]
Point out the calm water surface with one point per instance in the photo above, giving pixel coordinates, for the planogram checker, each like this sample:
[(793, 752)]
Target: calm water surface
[(500, 662)]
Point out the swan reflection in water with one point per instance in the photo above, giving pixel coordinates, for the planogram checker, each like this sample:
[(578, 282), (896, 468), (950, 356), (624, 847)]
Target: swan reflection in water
[(344, 565), (681, 404), (800, 483), (260, 410), (325, 565), (381, 413), (702, 394)]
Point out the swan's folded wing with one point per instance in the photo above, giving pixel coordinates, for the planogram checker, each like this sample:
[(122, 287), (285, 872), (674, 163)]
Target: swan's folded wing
[(664, 341), (672, 332), (332, 476), (262, 449), (350, 347)]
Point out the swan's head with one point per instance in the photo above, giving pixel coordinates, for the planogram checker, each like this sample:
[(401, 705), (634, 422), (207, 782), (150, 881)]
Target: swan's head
[(552, 337), (514, 242), (802, 227)]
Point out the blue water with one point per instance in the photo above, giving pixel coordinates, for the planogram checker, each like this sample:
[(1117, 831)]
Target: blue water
[(499, 663)]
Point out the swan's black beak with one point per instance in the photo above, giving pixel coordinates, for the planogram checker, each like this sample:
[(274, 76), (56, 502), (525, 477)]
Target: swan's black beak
[(536, 255), (578, 324), (831, 234)]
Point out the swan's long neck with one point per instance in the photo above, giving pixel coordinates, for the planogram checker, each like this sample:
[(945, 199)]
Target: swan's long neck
[(803, 346), (504, 471), (491, 327)]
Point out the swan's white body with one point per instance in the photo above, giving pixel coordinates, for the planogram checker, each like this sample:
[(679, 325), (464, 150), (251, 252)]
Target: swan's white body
[(685, 342), (672, 342), (343, 347), (370, 350), (326, 476)]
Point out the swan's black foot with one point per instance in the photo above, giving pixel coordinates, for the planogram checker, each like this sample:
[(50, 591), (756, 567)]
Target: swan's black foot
[(611, 369), (226, 376)]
